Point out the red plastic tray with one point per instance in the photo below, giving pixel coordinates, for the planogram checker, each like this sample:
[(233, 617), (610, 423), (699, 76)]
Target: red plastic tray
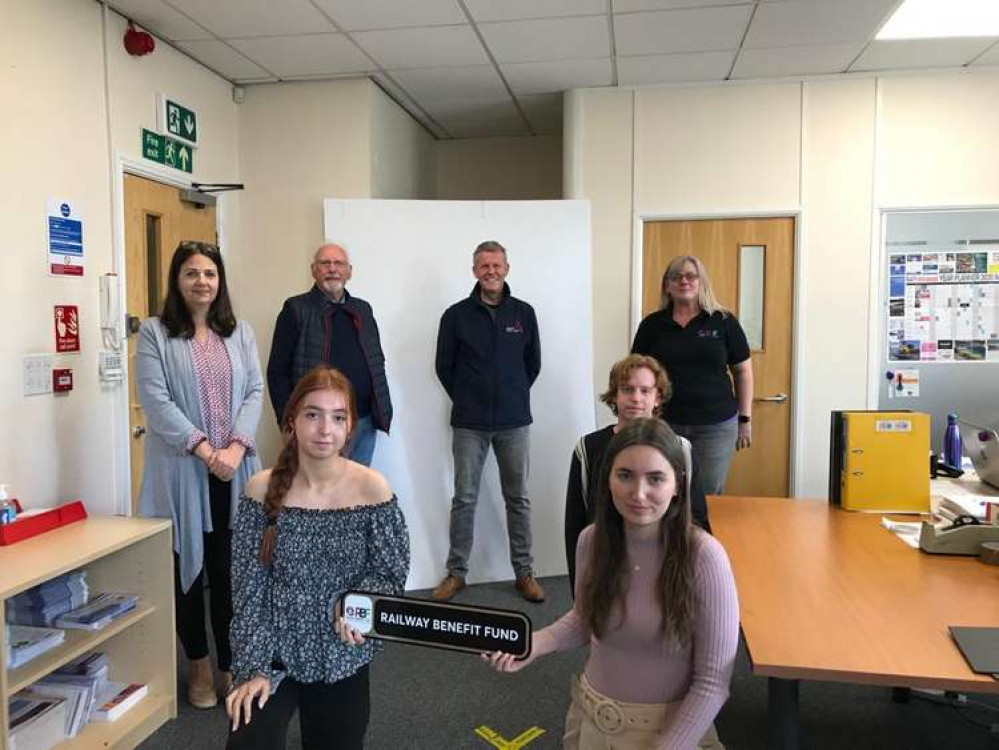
[(29, 526)]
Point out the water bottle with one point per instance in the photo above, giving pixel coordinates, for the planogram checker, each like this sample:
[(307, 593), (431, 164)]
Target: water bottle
[(8, 512), (952, 443)]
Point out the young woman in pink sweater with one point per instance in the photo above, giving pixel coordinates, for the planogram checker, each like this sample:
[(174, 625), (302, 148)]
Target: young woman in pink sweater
[(655, 601)]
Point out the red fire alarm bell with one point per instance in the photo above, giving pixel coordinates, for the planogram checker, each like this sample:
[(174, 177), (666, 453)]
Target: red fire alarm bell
[(138, 43), (62, 380)]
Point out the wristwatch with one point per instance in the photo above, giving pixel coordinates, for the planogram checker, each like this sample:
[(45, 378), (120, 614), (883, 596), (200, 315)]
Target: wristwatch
[(744, 419)]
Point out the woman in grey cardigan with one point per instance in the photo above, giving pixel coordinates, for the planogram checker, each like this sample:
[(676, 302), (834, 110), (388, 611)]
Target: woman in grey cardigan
[(199, 383)]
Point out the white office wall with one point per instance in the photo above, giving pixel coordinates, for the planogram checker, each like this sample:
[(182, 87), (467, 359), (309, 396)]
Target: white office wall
[(599, 154), (54, 145), (834, 264), (299, 143), (527, 168), (63, 122), (699, 150), (823, 144), (136, 82), (403, 153), (937, 140)]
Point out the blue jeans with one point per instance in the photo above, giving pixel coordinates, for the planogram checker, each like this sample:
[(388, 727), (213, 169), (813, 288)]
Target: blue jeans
[(512, 449), (713, 446), (362, 443)]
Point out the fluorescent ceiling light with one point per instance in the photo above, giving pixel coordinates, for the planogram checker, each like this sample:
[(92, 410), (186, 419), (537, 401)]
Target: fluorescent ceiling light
[(935, 19)]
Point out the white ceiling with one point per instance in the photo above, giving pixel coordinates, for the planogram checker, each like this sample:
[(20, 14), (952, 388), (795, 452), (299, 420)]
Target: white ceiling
[(476, 68)]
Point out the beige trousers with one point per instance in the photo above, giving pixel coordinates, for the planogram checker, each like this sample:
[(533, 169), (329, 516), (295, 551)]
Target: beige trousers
[(596, 722)]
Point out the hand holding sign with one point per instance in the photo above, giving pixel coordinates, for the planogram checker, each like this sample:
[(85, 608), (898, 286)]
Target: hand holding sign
[(507, 663)]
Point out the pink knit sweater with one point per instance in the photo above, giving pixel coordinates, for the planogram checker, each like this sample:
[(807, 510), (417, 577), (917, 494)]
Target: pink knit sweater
[(635, 664)]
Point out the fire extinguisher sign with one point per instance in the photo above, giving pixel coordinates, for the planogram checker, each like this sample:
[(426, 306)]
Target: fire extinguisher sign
[(67, 328)]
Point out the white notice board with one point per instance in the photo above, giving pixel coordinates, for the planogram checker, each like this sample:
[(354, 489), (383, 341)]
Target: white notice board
[(412, 259)]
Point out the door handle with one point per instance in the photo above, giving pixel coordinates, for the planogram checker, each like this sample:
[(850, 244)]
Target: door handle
[(778, 398), (138, 431)]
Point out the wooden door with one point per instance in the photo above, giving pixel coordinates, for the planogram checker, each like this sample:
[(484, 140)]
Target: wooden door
[(156, 221), (727, 247)]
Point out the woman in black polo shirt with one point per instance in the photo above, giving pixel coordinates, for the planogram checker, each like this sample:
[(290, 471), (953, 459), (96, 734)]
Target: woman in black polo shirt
[(698, 342)]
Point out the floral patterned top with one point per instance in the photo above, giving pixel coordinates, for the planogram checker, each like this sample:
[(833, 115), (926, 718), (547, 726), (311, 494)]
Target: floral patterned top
[(283, 614)]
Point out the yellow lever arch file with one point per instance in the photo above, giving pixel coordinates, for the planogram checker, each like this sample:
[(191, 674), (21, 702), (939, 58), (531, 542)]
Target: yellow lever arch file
[(882, 461)]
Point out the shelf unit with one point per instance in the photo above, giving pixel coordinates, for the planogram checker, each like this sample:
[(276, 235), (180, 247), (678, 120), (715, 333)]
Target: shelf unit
[(119, 554)]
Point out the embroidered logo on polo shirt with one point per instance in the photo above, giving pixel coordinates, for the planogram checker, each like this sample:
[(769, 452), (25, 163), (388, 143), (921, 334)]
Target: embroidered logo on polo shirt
[(707, 333), (515, 328)]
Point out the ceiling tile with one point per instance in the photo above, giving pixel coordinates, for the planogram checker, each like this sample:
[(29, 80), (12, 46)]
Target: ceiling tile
[(989, 58), (160, 18), (223, 59), (630, 6), (920, 53), (556, 76), (805, 22), (436, 84), (424, 47), (696, 30), (245, 18), (510, 10), (553, 39), (795, 61), (684, 66), (312, 54), (480, 118), (354, 15), (544, 112)]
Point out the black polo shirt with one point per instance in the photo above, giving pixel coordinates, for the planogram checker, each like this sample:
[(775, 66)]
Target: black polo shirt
[(696, 357)]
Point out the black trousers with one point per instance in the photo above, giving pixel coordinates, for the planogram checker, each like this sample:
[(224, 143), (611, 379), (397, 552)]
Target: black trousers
[(190, 606), (332, 717)]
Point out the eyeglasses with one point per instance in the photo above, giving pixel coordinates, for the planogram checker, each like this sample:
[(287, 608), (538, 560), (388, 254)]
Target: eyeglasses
[(690, 278), (341, 264)]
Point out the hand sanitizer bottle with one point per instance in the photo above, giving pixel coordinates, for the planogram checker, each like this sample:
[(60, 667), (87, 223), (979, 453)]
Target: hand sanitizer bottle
[(7, 510)]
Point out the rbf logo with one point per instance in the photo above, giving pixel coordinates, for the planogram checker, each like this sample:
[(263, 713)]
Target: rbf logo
[(358, 612)]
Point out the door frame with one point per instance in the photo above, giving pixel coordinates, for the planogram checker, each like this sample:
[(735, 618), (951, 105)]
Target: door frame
[(128, 164), (797, 436)]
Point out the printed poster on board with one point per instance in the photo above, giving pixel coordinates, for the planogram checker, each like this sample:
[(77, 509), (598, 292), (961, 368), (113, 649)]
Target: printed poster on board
[(943, 305)]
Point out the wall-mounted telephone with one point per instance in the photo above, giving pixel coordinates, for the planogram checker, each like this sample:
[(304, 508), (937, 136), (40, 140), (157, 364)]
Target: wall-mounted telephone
[(111, 312), (112, 329)]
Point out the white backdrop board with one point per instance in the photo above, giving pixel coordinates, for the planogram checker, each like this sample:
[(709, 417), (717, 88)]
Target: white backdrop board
[(413, 259)]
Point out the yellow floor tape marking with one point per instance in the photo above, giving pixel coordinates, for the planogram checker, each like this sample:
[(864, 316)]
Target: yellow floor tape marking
[(498, 741)]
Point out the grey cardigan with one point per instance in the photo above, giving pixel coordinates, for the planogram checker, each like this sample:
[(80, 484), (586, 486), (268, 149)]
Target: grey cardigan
[(174, 481)]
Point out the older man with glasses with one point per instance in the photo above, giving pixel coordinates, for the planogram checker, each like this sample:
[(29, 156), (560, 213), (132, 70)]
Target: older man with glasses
[(329, 326)]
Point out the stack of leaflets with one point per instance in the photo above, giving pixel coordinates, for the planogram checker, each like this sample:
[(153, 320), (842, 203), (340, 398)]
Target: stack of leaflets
[(98, 612), (25, 642), (118, 698), (81, 683), (37, 722), (42, 604)]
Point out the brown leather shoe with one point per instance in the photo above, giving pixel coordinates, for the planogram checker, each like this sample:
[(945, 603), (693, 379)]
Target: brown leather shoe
[(447, 588), (530, 589)]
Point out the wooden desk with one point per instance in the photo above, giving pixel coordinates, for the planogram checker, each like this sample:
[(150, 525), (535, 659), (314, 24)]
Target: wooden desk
[(830, 595)]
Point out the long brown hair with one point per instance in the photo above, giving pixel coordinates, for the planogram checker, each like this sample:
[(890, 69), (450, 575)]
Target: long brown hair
[(606, 583), (317, 379), (175, 316)]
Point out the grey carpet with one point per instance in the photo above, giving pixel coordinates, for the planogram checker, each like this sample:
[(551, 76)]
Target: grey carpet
[(426, 699)]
